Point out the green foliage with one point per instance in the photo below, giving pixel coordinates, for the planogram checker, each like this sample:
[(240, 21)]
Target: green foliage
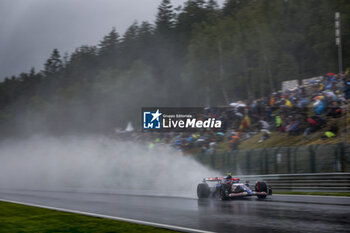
[(109, 43), (54, 64), (264, 43), (109, 49), (165, 17)]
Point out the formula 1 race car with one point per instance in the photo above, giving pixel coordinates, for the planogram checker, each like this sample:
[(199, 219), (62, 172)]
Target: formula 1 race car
[(227, 188)]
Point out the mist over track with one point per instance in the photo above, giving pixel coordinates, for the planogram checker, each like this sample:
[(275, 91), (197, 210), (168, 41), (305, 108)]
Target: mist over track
[(97, 163)]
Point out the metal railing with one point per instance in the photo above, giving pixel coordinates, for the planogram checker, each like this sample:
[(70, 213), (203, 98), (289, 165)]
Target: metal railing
[(309, 182)]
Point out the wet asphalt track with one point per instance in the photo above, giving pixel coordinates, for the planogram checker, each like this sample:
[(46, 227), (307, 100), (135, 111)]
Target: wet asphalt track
[(275, 214)]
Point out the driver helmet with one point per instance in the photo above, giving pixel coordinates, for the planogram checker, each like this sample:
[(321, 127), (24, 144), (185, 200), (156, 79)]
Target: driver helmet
[(228, 176)]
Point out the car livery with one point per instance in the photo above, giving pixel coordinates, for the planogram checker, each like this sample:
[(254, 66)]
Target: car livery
[(226, 188)]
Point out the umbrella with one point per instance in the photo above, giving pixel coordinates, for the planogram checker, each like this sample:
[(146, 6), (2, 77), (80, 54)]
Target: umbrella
[(330, 74)]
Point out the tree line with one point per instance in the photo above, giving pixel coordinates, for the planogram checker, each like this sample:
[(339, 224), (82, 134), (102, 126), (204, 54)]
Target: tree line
[(199, 54)]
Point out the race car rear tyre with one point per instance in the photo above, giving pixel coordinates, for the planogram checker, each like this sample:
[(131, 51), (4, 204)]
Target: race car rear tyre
[(203, 190), (224, 192), (261, 187)]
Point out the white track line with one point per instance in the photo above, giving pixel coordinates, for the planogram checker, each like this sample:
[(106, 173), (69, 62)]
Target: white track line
[(160, 225)]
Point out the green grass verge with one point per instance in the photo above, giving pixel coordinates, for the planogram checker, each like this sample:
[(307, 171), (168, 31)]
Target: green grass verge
[(22, 218), (312, 193)]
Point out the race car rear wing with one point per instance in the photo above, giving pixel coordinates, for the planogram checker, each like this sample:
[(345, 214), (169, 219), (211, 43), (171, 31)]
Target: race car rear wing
[(219, 179)]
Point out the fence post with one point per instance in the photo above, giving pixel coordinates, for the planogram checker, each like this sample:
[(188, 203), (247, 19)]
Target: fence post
[(213, 156), (228, 166), (288, 160), (312, 159), (236, 152), (262, 161), (312, 150), (336, 158), (248, 162), (266, 162), (226, 161), (295, 159), (276, 166), (342, 156)]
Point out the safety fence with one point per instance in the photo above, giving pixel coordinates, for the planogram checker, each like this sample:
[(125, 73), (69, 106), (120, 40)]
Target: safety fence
[(323, 158), (310, 182)]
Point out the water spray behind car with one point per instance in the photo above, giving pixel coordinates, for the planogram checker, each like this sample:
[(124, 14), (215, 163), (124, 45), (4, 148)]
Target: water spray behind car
[(97, 164)]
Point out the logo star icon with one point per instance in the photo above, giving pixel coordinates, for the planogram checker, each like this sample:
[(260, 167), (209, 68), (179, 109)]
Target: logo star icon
[(156, 115)]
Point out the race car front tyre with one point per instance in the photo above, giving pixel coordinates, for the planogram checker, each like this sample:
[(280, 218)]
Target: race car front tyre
[(261, 187), (203, 190)]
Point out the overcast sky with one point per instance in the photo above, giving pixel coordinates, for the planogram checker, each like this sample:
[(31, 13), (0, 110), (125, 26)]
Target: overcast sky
[(31, 29)]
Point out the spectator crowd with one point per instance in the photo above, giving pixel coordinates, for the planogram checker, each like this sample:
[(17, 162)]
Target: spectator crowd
[(301, 110)]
